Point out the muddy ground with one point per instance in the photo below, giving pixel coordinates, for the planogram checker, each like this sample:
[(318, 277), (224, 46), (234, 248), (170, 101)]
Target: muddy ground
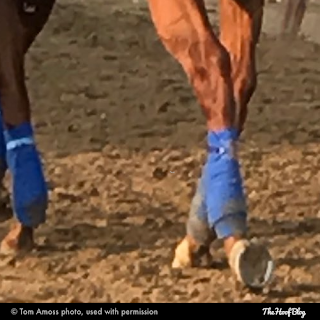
[(114, 115)]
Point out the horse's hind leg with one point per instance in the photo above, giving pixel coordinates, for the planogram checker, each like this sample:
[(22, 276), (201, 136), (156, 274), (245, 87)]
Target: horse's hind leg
[(21, 155), (186, 33)]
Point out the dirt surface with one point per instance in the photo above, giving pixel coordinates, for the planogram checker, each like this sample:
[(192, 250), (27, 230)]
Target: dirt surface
[(114, 117)]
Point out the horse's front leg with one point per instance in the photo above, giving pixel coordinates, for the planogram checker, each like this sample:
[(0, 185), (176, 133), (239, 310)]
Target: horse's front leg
[(18, 148), (219, 207), (240, 26)]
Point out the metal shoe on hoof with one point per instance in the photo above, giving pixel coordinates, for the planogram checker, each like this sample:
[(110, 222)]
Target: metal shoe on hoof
[(252, 264)]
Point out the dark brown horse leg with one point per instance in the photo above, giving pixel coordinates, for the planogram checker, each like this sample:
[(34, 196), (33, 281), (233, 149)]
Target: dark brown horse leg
[(186, 33), (17, 31), (240, 29), (33, 22), (294, 11)]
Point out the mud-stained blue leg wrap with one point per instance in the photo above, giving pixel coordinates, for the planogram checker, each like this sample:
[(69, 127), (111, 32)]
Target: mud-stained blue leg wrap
[(198, 204), (225, 197), (3, 150), (30, 194), (197, 225)]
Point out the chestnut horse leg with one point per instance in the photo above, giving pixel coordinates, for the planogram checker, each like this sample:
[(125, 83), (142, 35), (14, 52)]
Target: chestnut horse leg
[(186, 33), (240, 26), (294, 11), (19, 25), (219, 206)]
